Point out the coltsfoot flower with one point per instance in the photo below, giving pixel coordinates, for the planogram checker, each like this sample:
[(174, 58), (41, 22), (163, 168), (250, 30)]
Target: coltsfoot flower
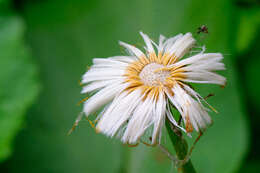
[(136, 90)]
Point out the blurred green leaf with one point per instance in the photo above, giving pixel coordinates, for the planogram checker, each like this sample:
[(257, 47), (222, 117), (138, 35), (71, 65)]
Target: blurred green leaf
[(247, 28), (3, 2), (43, 146), (4, 6), (250, 167), (18, 83), (251, 65), (66, 43)]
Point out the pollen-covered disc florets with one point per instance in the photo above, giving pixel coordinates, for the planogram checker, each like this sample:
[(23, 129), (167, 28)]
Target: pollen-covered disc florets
[(138, 89), (151, 75)]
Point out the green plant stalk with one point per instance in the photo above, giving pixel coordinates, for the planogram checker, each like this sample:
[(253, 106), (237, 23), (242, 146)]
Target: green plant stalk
[(181, 147)]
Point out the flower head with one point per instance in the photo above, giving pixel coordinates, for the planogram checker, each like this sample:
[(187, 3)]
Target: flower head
[(138, 89)]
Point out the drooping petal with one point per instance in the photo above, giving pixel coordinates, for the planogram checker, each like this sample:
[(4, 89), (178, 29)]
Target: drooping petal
[(192, 111), (196, 95), (159, 118), (142, 118), (120, 110), (173, 121)]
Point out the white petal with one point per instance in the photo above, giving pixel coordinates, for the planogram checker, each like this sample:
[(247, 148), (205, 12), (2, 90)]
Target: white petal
[(127, 59), (188, 107), (182, 45), (161, 45), (209, 61), (140, 121), (97, 85), (102, 97), (159, 118), (148, 43), (103, 73), (113, 66), (197, 96), (204, 77), (103, 61), (199, 68), (133, 50), (118, 112), (170, 42), (113, 62), (172, 120), (198, 57), (100, 78)]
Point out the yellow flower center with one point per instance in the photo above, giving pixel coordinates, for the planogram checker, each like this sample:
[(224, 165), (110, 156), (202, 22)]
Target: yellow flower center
[(152, 75)]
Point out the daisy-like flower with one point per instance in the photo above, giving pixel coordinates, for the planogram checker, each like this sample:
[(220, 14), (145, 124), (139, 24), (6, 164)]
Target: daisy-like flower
[(136, 90)]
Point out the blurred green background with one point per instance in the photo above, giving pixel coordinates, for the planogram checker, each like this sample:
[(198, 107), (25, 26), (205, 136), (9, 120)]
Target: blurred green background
[(45, 46)]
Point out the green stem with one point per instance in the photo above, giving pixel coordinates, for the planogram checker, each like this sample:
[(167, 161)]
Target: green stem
[(181, 147)]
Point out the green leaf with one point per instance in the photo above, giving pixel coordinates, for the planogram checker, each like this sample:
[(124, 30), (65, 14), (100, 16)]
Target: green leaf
[(18, 83)]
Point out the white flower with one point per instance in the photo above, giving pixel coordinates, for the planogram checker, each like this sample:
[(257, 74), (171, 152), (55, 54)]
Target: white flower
[(138, 89)]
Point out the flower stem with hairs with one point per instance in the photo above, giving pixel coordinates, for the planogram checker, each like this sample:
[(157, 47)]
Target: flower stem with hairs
[(181, 147)]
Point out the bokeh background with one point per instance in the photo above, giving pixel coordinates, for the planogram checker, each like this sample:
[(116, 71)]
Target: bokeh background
[(46, 45)]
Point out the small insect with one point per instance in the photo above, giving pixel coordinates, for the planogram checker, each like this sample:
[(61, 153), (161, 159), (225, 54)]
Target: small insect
[(203, 29)]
